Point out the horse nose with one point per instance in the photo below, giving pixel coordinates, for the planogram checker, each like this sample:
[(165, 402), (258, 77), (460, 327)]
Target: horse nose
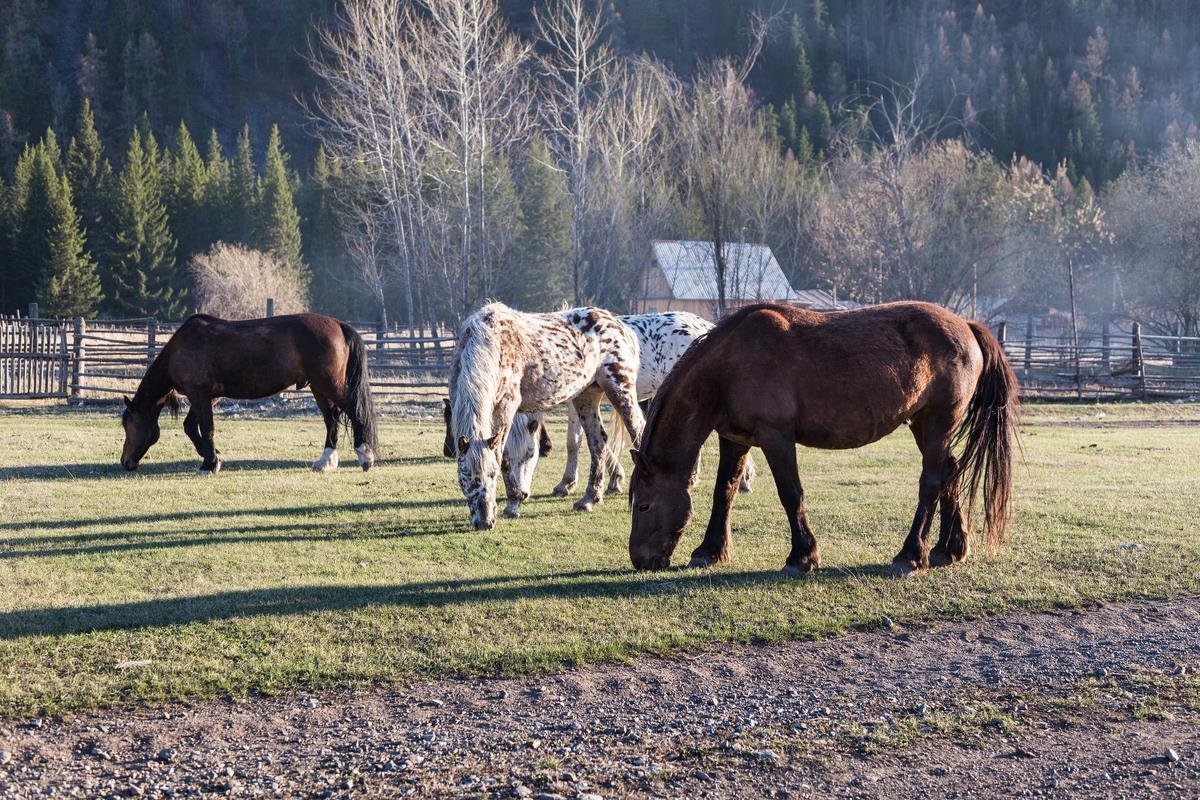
[(129, 464), (484, 524), (524, 496)]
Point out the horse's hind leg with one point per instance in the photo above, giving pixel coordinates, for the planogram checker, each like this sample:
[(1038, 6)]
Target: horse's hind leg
[(332, 415), (588, 406), (954, 543), (574, 437), (780, 450), (933, 439), (715, 547)]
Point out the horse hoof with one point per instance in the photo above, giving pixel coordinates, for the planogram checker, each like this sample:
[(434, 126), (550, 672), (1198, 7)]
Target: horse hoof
[(905, 569), (940, 557), (701, 562), (745, 488), (583, 505), (512, 513), (204, 473), (793, 571), (563, 489)]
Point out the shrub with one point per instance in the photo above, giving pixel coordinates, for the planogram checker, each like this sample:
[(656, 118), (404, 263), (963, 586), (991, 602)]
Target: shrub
[(234, 282)]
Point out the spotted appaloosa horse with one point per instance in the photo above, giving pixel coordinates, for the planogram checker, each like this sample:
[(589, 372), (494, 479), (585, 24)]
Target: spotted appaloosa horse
[(508, 361), (209, 358), (662, 341)]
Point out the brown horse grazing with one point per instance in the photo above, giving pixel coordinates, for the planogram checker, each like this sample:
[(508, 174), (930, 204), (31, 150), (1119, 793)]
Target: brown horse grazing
[(773, 376), (209, 358)]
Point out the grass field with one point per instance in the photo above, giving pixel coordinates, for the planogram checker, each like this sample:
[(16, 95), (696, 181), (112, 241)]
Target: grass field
[(159, 585)]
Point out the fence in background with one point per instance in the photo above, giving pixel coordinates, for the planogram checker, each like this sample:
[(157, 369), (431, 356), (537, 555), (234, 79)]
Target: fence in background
[(1109, 364), (85, 360), (102, 359)]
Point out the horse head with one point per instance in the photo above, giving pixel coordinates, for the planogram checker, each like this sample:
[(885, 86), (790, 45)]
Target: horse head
[(141, 432), (662, 507), (522, 450), (478, 466)]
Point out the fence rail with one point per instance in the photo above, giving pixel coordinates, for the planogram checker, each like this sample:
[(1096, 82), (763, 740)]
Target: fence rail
[(88, 360)]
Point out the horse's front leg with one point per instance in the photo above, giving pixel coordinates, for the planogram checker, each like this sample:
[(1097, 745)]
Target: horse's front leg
[(715, 547), (571, 471), (780, 450), (588, 406), (207, 426)]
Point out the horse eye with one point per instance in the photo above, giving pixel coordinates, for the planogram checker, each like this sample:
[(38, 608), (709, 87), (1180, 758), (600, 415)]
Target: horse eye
[(644, 507)]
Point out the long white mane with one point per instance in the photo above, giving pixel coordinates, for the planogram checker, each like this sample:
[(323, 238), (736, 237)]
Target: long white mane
[(477, 373)]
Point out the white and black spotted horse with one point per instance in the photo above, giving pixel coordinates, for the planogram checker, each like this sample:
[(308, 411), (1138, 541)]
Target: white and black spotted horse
[(662, 340), (507, 362)]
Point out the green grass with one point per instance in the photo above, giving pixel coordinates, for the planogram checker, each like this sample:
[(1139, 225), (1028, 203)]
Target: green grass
[(269, 577)]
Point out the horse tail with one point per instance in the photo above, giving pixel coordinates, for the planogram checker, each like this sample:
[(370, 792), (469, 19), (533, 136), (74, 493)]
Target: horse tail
[(617, 435), (988, 433), (358, 386)]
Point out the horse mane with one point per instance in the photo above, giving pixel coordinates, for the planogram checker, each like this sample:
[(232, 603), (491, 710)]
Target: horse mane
[(476, 374), (685, 364)]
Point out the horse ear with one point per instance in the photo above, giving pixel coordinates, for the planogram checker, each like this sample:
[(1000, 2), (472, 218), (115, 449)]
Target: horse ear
[(463, 445), (639, 460), (493, 440), (128, 402), (446, 403), (532, 425)]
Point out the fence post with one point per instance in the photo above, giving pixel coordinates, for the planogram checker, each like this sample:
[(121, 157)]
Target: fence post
[(77, 366), (270, 306), (1139, 361), (33, 311), (151, 340), (1028, 342), (1002, 333), (1106, 350)]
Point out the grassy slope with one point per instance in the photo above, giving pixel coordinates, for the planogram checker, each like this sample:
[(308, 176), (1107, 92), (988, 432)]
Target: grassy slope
[(268, 576)]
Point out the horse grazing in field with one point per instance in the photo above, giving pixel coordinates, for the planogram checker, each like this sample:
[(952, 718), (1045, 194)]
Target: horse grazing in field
[(773, 376), (662, 341), (210, 358), (508, 361)]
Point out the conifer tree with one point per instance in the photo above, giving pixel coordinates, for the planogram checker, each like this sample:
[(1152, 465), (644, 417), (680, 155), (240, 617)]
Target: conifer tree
[(279, 223), (38, 186), (321, 237), (186, 184), (217, 191), (243, 191), (91, 179), (539, 277), (142, 281), (69, 284)]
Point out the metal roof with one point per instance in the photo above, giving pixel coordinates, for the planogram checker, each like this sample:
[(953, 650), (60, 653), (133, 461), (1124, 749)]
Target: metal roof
[(752, 273)]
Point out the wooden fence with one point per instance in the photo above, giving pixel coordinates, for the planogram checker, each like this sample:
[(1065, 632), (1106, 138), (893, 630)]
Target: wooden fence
[(86, 360), (1103, 365), (102, 359)]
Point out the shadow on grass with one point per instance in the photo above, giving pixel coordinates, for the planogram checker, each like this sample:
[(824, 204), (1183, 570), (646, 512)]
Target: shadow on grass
[(105, 471), (314, 531), (591, 584)]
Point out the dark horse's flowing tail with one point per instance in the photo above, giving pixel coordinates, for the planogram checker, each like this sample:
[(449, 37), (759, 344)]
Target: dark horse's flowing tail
[(358, 386), (988, 434)]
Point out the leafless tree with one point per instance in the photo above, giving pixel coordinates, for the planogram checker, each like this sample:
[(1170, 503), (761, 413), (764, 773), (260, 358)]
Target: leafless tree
[(235, 282)]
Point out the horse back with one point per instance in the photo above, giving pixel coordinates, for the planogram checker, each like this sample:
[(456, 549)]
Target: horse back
[(846, 379), (254, 358)]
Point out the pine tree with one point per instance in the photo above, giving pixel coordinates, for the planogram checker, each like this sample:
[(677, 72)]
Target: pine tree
[(69, 284), (39, 187), (143, 280), (538, 277), (279, 223), (91, 179), (322, 239), (243, 192), (217, 213), (186, 187)]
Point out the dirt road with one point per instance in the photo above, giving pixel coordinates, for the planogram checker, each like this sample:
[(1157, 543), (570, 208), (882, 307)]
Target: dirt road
[(1096, 703)]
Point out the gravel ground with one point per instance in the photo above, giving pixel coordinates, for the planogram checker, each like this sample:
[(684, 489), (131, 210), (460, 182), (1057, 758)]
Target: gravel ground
[(1096, 703)]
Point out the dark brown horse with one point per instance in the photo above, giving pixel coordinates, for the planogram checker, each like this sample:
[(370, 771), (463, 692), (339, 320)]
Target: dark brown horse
[(209, 358), (773, 376)]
